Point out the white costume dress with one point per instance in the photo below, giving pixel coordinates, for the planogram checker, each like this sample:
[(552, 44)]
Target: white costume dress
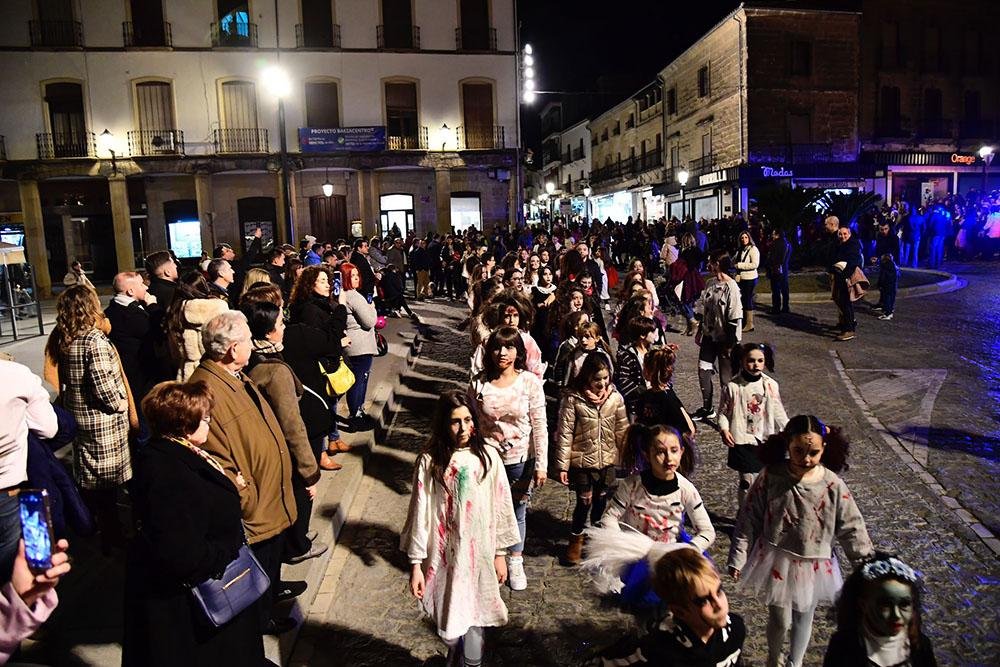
[(455, 531)]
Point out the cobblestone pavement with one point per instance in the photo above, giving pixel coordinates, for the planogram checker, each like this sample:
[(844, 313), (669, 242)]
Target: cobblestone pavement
[(367, 616)]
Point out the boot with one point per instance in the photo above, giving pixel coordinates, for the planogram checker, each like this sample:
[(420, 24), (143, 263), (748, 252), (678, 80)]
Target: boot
[(748, 326), (574, 550), (327, 463), (692, 326)]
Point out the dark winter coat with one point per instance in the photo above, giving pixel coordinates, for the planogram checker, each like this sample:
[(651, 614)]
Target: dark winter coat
[(189, 530), (45, 471), (849, 649), (329, 318), (130, 334), (365, 271), (304, 347)]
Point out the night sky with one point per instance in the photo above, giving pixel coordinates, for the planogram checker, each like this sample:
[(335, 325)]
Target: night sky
[(597, 53)]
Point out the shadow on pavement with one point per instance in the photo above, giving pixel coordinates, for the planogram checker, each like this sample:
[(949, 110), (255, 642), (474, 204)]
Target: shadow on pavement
[(804, 323), (371, 541), (391, 471), (547, 534), (954, 440), (344, 646)]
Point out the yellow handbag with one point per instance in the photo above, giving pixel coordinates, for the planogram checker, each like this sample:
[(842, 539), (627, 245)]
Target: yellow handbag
[(338, 381)]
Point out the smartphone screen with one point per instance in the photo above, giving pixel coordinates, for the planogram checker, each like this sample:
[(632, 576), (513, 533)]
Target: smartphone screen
[(337, 283), (36, 528)]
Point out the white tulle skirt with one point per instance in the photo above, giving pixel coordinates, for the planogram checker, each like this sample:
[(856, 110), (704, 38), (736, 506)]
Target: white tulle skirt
[(779, 578)]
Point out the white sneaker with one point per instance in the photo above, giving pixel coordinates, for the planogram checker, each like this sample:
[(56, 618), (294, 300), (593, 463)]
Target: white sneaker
[(887, 316), (515, 573)]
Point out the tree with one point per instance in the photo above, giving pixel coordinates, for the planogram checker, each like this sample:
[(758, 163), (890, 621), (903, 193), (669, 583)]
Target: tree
[(849, 207), (786, 208)]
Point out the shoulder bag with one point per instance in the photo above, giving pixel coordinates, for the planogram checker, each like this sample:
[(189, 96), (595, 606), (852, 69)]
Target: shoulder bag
[(339, 380), (242, 583)]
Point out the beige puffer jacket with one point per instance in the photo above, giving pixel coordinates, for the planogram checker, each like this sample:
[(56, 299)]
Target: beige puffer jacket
[(590, 436)]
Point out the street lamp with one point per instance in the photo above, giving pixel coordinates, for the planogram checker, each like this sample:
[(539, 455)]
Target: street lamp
[(986, 152), (107, 142), (327, 185), (443, 135), (682, 178), (586, 195), (528, 74), (276, 81)]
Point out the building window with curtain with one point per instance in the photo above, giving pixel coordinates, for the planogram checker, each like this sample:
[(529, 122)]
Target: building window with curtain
[(322, 104), (401, 118), (156, 132)]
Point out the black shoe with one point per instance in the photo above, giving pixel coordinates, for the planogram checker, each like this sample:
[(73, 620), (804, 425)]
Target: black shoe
[(363, 422), (703, 414), (286, 590), (278, 626)]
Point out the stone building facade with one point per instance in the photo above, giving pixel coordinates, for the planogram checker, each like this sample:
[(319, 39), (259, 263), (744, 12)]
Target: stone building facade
[(409, 111)]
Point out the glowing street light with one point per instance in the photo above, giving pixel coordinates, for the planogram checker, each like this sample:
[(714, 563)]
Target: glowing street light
[(682, 178), (327, 186), (528, 75), (106, 141), (586, 194), (550, 187), (276, 81), (986, 152)]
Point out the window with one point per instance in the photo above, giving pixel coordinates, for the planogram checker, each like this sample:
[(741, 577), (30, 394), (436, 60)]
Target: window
[(155, 120), (675, 156), (932, 48), (239, 104), (396, 211), (618, 128), (672, 101), (642, 148), (973, 52), (466, 211), (146, 27), (397, 30), (891, 56), (973, 106), (474, 33), (401, 114), (933, 126), (889, 119), (706, 144), (56, 25), (604, 134), (801, 64), (704, 83), (630, 122), (659, 144), (317, 29), (567, 158), (64, 106), (477, 114), (322, 104), (234, 18)]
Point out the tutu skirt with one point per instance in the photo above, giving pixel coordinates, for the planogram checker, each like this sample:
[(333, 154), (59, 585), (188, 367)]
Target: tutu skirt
[(782, 579)]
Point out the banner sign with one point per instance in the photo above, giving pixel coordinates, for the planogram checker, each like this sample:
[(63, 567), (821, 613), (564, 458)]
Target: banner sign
[(341, 139)]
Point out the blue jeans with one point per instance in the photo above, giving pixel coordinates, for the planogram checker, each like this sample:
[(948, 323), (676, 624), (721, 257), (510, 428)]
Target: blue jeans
[(779, 292), (10, 533), (361, 365), (909, 252), (935, 252), (519, 475)]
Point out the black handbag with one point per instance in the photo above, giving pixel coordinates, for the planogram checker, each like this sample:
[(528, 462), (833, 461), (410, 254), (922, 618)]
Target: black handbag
[(242, 583)]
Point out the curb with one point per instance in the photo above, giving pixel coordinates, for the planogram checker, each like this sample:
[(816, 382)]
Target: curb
[(332, 506), (894, 443), (949, 283)]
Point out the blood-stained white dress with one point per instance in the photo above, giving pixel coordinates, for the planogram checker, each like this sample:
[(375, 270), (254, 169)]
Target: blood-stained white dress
[(455, 530)]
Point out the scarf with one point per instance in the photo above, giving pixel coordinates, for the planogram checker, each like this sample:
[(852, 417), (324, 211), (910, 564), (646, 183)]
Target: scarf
[(266, 347), (597, 399)]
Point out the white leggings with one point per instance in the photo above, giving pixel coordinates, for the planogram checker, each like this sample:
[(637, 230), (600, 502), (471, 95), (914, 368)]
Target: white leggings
[(472, 648), (779, 621)]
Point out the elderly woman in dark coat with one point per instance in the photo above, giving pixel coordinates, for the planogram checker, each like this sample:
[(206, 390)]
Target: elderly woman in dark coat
[(190, 528)]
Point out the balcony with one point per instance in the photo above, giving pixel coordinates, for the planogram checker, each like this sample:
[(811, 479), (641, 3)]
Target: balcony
[(235, 33), (156, 142), (936, 128), (306, 39), (618, 171), (577, 153), (56, 33), (406, 39), (976, 129), (792, 153), (649, 161), (65, 144), (650, 112), (134, 35), (407, 142), (467, 39), (240, 140), (470, 139), (703, 164)]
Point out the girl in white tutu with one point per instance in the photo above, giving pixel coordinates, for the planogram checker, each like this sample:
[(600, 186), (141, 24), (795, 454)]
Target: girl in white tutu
[(793, 512)]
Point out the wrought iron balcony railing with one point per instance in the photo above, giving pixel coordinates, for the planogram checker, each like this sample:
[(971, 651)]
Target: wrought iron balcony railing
[(703, 164), (407, 142), (156, 142), (467, 39), (65, 144), (398, 39), (470, 139), (235, 33), (56, 33), (240, 140), (306, 38), (136, 35)]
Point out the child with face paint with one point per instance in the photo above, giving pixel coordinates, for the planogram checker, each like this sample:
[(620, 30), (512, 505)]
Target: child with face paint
[(590, 433), (750, 411), (795, 509), (656, 500), (878, 618), (589, 340), (699, 628), (459, 526)]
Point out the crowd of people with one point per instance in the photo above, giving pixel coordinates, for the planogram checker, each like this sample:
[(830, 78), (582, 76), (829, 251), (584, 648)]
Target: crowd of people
[(206, 399), (572, 378)]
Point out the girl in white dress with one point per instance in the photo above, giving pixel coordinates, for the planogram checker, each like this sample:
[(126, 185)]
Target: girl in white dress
[(460, 523)]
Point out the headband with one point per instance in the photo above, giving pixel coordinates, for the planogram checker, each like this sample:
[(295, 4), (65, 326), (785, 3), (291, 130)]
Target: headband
[(889, 567)]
